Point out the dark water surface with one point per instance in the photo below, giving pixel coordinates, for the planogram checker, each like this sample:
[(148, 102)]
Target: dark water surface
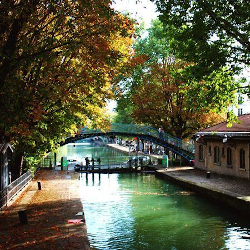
[(143, 212)]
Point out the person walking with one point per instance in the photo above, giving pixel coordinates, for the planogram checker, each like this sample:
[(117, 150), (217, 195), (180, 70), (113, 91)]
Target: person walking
[(93, 163), (81, 166), (99, 162), (161, 133), (87, 163)]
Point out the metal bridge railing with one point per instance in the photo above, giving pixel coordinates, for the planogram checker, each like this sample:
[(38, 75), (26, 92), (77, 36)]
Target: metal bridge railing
[(145, 130)]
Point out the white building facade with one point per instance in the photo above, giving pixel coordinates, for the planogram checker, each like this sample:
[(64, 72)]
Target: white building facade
[(243, 106)]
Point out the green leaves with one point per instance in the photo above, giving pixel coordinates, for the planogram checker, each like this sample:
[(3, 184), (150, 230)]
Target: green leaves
[(171, 93), (58, 66), (212, 34), (215, 91)]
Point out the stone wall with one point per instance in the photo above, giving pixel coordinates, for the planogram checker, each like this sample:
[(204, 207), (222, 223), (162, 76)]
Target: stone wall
[(222, 167)]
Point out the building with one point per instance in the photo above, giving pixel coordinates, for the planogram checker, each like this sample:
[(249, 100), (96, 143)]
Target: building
[(5, 156), (243, 106), (243, 99), (225, 150)]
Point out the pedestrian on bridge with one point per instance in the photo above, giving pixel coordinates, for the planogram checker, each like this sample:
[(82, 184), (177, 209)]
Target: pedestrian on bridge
[(81, 166), (99, 162), (93, 163), (161, 133), (87, 163)]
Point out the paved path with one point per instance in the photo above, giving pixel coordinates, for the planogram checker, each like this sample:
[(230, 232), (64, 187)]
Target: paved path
[(53, 222), (132, 153), (50, 210), (235, 186)]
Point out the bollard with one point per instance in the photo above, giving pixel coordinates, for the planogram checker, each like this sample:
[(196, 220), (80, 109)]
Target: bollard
[(208, 175), (39, 185), (23, 217)]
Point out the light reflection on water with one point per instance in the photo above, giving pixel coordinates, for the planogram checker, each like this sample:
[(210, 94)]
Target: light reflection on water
[(79, 152), (141, 212), (103, 205), (136, 212)]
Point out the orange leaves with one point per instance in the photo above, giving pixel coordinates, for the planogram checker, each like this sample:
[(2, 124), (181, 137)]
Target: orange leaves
[(163, 99), (58, 229), (65, 64), (22, 129), (137, 60), (37, 112)]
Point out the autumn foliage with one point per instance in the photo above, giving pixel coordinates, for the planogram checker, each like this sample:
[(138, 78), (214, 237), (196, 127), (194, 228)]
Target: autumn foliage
[(163, 91), (164, 101), (58, 65)]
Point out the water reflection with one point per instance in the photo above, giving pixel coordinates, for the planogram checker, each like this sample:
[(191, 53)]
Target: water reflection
[(136, 212), (103, 204), (80, 152), (141, 212)]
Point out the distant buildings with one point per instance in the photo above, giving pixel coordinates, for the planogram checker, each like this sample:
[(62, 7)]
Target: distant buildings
[(225, 150), (243, 105)]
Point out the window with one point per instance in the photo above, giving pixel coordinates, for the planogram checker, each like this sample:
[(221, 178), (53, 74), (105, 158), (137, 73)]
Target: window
[(240, 100), (240, 112), (229, 156), (216, 155), (242, 159), (201, 153)]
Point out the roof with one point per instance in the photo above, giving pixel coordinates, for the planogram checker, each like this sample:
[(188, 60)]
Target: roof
[(243, 126)]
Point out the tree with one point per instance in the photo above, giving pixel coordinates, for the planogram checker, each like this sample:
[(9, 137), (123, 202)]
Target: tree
[(123, 110), (164, 92), (148, 49), (58, 65), (212, 34), (166, 100)]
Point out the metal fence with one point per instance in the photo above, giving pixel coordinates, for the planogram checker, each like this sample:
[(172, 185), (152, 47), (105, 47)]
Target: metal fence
[(187, 145), (118, 162), (13, 188)]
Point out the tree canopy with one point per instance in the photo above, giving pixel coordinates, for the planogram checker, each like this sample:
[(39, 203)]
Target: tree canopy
[(58, 62), (163, 92), (168, 99), (209, 33)]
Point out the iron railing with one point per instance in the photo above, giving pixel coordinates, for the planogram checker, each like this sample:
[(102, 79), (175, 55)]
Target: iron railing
[(121, 162), (144, 130), (13, 188)]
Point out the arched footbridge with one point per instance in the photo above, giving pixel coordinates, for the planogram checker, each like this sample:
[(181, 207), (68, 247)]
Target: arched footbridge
[(183, 148)]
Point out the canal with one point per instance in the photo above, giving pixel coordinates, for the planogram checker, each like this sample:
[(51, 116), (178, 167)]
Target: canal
[(143, 212)]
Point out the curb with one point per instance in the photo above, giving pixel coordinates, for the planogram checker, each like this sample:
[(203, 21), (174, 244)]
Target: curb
[(225, 198)]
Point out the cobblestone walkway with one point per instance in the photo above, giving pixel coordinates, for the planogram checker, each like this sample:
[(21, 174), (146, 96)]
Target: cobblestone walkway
[(53, 222)]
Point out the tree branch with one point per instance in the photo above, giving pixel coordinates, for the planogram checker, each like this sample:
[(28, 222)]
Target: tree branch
[(227, 26)]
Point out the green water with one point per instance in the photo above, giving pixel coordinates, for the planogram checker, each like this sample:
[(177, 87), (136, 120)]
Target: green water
[(79, 151), (143, 212)]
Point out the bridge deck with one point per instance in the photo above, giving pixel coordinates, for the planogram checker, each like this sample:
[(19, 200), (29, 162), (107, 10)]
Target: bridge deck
[(181, 147)]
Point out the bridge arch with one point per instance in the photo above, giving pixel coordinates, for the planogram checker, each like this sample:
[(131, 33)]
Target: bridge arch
[(176, 145)]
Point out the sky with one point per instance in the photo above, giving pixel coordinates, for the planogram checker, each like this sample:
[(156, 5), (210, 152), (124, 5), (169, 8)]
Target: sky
[(140, 10)]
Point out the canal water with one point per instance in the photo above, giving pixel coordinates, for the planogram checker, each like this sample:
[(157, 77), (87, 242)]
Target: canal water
[(143, 212), (79, 151)]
